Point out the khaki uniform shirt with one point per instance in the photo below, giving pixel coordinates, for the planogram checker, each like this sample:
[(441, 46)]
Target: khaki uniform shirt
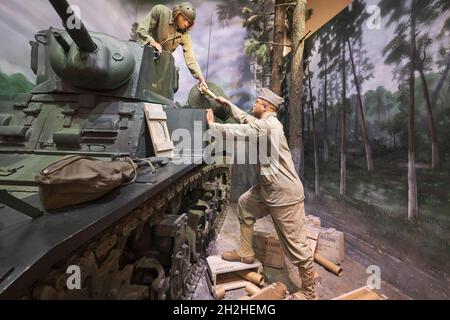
[(159, 26), (279, 184)]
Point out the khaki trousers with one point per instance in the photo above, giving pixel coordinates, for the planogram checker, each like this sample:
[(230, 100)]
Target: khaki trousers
[(288, 221)]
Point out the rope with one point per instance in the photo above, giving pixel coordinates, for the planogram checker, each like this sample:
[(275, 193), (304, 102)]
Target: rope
[(127, 159), (150, 164)]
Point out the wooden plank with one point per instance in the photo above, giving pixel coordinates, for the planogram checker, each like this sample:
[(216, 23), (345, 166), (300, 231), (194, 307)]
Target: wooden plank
[(156, 120), (324, 11), (231, 281), (363, 293), (164, 146), (156, 115)]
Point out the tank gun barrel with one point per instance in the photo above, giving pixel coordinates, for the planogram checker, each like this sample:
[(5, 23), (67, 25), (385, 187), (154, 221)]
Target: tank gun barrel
[(78, 33)]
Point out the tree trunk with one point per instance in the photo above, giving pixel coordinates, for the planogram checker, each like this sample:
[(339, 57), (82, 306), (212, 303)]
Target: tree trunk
[(412, 182), (336, 127), (267, 72), (277, 52), (343, 178), (435, 163), (296, 88), (314, 136), (355, 125), (308, 123), (325, 115), (361, 112), (257, 75)]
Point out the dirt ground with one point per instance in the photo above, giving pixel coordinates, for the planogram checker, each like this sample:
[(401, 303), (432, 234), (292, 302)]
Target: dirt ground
[(402, 265), (355, 264)]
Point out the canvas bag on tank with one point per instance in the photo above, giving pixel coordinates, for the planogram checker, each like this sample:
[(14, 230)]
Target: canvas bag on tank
[(76, 179)]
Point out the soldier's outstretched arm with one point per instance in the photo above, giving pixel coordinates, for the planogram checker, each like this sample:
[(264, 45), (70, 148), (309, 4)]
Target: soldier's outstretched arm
[(253, 128), (236, 113), (189, 57)]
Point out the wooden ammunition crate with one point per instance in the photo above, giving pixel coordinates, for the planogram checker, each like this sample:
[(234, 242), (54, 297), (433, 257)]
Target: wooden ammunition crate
[(221, 273)]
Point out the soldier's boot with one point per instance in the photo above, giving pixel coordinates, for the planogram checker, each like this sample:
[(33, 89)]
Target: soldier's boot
[(245, 253), (308, 288)]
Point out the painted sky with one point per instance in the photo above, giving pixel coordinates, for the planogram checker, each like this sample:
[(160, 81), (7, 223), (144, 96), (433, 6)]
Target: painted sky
[(20, 20)]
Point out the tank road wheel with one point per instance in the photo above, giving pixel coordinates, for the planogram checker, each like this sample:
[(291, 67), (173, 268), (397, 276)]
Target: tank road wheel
[(157, 251)]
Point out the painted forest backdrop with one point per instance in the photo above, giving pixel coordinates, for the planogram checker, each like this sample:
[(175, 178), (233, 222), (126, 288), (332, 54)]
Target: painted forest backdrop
[(370, 123), (377, 102)]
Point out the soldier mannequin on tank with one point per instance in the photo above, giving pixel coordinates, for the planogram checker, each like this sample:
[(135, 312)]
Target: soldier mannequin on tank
[(166, 29), (278, 193)]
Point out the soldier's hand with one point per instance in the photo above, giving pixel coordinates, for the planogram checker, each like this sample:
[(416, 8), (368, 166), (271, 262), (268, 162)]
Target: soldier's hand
[(202, 85), (222, 101), (209, 117), (156, 46)]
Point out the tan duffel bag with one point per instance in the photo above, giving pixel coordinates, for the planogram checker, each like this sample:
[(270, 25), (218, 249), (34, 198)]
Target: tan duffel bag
[(75, 179)]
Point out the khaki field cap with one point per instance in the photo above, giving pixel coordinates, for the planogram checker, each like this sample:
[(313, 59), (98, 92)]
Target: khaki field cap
[(271, 97), (186, 9)]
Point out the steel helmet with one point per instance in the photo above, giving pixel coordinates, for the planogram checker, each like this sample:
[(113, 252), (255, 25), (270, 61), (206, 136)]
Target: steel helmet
[(186, 9)]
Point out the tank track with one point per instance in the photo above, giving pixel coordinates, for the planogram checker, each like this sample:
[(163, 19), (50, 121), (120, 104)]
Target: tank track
[(155, 252)]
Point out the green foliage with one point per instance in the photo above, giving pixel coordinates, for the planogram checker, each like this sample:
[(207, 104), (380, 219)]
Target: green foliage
[(228, 10), (398, 48), (394, 9), (258, 51), (396, 129), (15, 83), (379, 102)]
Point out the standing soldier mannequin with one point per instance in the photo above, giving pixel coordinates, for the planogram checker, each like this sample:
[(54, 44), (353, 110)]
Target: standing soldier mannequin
[(166, 29), (278, 193)]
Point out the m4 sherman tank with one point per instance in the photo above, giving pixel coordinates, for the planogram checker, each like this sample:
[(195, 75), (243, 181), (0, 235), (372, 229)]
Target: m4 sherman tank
[(98, 96)]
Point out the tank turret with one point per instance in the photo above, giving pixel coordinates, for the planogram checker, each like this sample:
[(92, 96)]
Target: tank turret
[(102, 63), (74, 60)]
